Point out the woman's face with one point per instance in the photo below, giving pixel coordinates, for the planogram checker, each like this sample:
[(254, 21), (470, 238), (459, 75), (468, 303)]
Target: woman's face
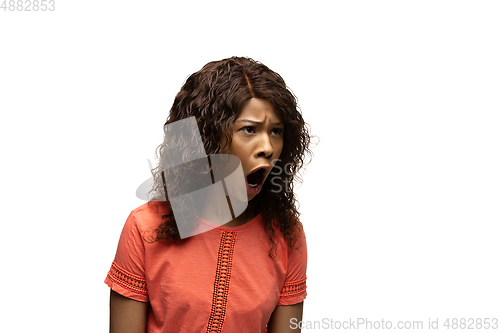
[(257, 140)]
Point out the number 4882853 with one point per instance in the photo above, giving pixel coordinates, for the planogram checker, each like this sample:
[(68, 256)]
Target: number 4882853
[(471, 323), (28, 5)]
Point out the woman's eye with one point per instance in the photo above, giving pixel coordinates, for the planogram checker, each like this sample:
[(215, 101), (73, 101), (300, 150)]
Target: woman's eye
[(277, 131), (248, 129)]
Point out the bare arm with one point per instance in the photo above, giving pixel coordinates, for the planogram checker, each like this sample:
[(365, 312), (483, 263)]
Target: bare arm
[(280, 321), (126, 315)]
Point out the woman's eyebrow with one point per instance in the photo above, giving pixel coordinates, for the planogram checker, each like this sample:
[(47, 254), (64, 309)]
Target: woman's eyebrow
[(257, 122)]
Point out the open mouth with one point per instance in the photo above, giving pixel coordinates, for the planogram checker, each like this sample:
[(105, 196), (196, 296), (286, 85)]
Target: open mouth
[(256, 178)]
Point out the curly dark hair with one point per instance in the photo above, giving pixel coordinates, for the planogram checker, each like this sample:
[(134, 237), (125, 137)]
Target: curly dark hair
[(214, 96)]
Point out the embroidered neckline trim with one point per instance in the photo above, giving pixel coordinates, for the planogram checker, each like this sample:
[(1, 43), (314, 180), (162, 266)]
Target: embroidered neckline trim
[(222, 281)]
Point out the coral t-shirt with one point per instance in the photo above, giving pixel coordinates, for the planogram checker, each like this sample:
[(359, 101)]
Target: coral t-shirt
[(221, 280)]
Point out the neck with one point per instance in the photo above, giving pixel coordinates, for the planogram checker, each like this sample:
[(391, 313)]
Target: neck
[(248, 215), (216, 213)]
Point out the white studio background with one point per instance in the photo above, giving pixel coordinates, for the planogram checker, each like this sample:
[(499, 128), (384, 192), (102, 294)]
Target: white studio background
[(400, 202)]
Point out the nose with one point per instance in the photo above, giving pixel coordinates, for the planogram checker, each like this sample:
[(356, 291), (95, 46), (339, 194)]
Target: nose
[(265, 148)]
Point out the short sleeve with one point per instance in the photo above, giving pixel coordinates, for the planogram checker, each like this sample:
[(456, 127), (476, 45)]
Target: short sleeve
[(127, 275), (294, 288)]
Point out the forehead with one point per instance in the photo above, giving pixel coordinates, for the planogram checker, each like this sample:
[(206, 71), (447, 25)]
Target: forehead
[(258, 110)]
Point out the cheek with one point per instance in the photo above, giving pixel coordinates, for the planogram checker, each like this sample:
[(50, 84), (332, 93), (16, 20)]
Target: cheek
[(279, 149), (237, 150), (242, 155), (233, 147)]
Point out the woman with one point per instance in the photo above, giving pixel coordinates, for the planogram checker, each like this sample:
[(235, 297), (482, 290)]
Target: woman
[(249, 274)]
